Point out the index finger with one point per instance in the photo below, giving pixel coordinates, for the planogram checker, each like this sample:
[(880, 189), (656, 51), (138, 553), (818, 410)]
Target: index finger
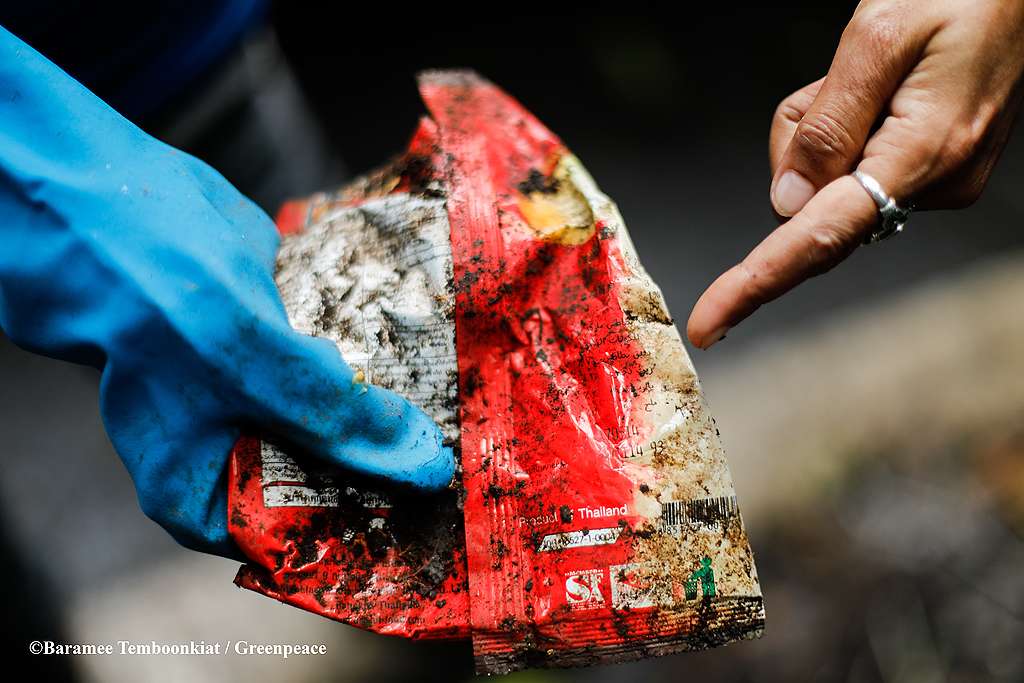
[(823, 234)]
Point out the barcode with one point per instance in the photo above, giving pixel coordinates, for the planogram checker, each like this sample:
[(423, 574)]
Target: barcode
[(701, 512)]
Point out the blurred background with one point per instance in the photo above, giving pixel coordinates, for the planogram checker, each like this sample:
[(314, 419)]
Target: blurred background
[(873, 417)]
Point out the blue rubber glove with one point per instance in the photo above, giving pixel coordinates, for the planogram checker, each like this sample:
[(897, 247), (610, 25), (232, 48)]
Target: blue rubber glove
[(120, 252)]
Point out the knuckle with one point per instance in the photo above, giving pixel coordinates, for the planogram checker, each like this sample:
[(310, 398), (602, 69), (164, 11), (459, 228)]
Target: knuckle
[(829, 245), (788, 110), (795, 106), (965, 139), (877, 28), (824, 136), (961, 159), (960, 146)]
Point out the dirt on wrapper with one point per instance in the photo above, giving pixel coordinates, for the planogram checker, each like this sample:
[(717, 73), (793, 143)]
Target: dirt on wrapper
[(485, 277)]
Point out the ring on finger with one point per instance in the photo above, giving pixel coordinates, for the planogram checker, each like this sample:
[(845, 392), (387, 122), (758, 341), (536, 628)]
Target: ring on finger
[(892, 217)]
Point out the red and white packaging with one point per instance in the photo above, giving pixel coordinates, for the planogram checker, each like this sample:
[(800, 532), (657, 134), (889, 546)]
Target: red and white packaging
[(484, 276)]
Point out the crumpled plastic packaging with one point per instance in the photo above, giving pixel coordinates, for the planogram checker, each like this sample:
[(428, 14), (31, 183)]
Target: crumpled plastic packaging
[(484, 276)]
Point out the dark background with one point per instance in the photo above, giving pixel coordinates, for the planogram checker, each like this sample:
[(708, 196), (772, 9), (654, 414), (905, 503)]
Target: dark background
[(668, 108)]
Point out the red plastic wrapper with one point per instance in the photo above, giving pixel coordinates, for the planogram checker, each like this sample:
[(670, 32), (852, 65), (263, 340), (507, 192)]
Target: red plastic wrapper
[(484, 276)]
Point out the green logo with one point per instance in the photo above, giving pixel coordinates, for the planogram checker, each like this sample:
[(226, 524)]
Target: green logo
[(705, 576)]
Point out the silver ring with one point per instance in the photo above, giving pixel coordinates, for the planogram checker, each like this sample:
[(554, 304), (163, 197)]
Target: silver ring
[(893, 217)]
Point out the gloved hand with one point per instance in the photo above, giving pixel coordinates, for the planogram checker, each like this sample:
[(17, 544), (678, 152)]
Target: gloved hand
[(120, 252)]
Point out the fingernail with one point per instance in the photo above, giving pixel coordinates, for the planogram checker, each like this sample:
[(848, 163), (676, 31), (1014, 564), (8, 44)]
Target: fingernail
[(715, 337), (791, 193)]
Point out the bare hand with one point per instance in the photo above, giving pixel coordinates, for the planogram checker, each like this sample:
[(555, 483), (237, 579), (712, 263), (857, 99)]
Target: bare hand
[(921, 95)]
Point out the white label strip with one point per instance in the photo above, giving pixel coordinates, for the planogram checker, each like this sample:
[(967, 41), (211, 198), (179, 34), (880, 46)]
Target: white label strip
[(579, 539), (299, 496)]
